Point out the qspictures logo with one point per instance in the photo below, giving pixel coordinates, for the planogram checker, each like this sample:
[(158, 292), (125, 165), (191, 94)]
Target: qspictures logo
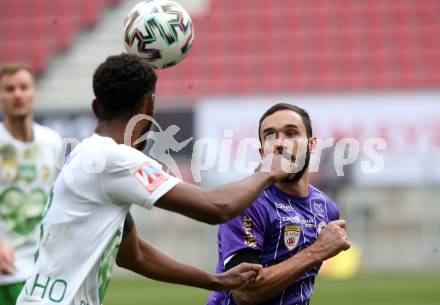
[(208, 154)]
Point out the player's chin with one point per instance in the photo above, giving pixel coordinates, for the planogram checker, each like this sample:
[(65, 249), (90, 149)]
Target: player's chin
[(19, 113)]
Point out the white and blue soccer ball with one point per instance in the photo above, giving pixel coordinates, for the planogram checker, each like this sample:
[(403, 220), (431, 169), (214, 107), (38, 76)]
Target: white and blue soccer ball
[(160, 31)]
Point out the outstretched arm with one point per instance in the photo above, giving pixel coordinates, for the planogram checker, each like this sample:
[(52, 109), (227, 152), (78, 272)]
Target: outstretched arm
[(141, 181), (217, 205), (276, 278), (225, 202), (141, 257)]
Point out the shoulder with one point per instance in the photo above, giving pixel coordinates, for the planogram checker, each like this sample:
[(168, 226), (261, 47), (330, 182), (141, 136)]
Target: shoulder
[(4, 134), (123, 157), (332, 207), (260, 209), (263, 202), (2, 129), (46, 135), (122, 152)]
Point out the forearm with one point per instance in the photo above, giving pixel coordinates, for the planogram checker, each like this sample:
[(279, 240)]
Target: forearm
[(153, 264), (277, 278), (232, 199), (218, 205)]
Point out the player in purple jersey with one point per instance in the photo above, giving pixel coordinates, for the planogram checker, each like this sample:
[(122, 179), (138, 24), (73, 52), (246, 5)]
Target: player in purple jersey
[(290, 229)]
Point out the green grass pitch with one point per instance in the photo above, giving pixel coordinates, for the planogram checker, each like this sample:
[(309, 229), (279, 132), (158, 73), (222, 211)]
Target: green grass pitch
[(375, 289)]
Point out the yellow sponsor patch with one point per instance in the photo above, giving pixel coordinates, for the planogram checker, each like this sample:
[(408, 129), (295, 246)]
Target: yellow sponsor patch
[(249, 229)]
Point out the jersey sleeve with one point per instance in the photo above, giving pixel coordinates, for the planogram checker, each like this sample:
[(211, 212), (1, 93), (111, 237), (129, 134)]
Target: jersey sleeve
[(244, 256), (131, 177), (244, 232), (333, 210)]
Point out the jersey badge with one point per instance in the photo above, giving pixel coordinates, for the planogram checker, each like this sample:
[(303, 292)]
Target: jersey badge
[(149, 176), (292, 235)]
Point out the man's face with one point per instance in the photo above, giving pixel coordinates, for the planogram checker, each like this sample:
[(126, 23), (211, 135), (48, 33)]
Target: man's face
[(17, 93), (283, 132)]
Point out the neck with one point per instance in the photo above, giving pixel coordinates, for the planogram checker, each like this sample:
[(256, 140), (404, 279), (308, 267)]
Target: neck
[(298, 189), (115, 129), (20, 127)]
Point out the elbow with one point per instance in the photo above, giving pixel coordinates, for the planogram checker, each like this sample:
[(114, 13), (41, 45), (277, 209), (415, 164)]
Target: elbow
[(120, 262), (215, 220), (221, 209), (222, 213), (129, 263), (124, 263)]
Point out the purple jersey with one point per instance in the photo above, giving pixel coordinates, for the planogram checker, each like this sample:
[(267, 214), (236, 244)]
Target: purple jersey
[(278, 225)]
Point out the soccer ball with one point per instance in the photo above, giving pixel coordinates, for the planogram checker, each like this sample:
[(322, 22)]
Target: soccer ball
[(160, 31)]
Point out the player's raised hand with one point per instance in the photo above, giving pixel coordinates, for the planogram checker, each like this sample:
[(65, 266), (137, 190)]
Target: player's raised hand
[(240, 275), (7, 259), (331, 240), (278, 166)]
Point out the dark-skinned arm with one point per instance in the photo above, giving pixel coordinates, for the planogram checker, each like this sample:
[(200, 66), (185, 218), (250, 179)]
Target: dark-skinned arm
[(214, 206), (223, 203), (141, 257)]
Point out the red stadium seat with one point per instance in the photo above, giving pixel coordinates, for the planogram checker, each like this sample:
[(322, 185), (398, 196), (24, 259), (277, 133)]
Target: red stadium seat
[(32, 31), (249, 47), (90, 11)]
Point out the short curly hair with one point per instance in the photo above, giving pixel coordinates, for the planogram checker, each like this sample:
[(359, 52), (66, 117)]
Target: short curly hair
[(120, 84)]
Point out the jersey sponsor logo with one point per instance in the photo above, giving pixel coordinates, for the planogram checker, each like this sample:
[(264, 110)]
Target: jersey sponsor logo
[(22, 210), (150, 177), (309, 223), (283, 207), (292, 235), (248, 227), (27, 172)]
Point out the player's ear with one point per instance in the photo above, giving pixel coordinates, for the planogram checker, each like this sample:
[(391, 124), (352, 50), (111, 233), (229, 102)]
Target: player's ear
[(261, 150), (95, 108), (312, 144), (150, 100)]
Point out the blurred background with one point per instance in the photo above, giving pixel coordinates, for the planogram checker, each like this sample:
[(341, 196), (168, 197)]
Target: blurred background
[(363, 69)]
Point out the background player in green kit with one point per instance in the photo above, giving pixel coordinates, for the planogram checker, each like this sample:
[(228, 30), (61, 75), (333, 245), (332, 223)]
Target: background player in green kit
[(27, 171)]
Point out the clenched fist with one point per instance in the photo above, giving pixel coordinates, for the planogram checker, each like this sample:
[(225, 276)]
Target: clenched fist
[(331, 240), (238, 276)]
